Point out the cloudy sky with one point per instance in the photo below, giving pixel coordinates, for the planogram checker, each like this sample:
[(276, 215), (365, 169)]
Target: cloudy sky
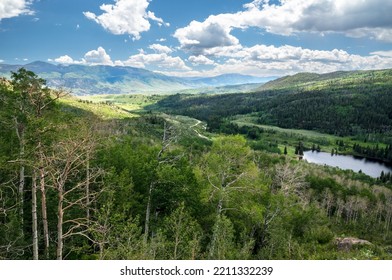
[(200, 37)]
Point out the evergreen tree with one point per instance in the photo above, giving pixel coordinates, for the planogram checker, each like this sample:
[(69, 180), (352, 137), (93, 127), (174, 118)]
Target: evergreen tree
[(301, 151), (382, 176)]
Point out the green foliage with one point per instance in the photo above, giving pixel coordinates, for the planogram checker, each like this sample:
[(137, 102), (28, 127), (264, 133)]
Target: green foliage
[(225, 196), (343, 104), (222, 244), (228, 171), (124, 241), (183, 235)]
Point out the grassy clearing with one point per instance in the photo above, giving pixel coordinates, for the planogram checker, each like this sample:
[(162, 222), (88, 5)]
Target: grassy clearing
[(133, 103), (102, 110), (283, 137), (127, 106), (249, 120)]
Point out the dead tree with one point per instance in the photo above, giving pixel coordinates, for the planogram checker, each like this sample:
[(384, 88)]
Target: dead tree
[(290, 181), (66, 167)]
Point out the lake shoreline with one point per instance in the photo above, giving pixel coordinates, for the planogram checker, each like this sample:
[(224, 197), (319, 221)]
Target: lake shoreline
[(370, 167)]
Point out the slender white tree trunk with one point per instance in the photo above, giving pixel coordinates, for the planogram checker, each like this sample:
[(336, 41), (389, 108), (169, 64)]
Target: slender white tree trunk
[(34, 216), (20, 134), (60, 223), (44, 211), (148, 213)]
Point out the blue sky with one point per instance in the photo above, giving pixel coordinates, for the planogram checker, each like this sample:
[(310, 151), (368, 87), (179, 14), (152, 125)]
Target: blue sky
[(200, 37)]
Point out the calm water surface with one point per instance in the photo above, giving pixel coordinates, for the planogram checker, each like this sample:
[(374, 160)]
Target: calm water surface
[(369, 167)]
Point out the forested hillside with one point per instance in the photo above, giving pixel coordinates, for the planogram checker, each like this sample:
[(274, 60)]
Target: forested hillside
[(342, 103), (77, 182)]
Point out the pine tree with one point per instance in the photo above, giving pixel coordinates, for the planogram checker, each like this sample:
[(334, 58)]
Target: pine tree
[(301, 151), (382, 176)]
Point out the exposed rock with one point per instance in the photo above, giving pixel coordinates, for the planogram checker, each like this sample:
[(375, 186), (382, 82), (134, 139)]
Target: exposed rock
[(347, 243)]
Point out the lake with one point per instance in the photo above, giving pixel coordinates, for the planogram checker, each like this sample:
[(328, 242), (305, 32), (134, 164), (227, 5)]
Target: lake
[(370, 167)]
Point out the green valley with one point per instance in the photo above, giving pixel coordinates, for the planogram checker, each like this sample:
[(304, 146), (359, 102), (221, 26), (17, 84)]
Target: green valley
[(190, 176)]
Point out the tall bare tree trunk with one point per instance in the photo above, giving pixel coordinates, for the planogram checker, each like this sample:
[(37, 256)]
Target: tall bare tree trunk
[(148, 213), (34, 215), (20, 134), (60, 223), (44, 209), (21, 189)]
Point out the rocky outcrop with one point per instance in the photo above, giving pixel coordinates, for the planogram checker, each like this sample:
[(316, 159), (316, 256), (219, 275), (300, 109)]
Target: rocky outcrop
[(347, 243)]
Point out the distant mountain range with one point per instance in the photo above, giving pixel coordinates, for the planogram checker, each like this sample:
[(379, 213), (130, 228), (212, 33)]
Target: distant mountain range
[(88, 80)]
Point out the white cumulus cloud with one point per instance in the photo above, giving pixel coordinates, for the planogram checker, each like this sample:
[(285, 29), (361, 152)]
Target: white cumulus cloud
[(126, 17), (289, 59), (156, 60), (257, 60), (97, 57), (365, 18), (270, 60), (213, 32), (383, 53), (160, 48), (357, 18), (64, 59), (200, 60), (14, 8), (93, 57)]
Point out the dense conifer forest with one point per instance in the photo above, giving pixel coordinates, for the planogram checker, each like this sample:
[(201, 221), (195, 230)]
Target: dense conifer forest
[(81, 180)]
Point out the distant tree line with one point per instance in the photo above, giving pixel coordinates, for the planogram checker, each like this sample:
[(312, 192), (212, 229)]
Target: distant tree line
[(376, 152)]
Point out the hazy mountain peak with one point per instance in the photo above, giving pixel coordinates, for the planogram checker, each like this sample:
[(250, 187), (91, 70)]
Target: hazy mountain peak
[(104, 79)]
